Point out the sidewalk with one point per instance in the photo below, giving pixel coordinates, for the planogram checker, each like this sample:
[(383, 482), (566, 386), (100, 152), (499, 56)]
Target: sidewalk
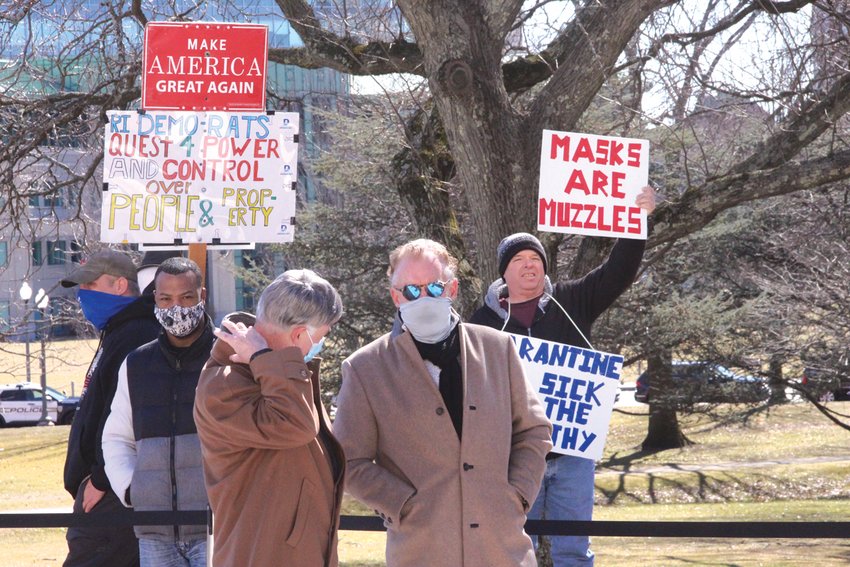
[(727, 466)]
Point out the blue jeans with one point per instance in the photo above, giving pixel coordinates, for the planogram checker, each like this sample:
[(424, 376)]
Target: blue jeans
[(156, 553), (566, 494)]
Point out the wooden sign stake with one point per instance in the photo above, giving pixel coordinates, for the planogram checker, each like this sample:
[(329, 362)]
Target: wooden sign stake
[(198, 254)]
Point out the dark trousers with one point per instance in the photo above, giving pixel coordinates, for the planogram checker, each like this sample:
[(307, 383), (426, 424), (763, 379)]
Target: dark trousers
[(101, 547)]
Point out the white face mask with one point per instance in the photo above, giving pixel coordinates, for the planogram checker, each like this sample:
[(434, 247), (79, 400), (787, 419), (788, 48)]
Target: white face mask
[(429, 319)]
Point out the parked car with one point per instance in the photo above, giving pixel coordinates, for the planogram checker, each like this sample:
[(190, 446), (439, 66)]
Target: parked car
[(68, 406), (22, 404), (826, 385), (706, 382)]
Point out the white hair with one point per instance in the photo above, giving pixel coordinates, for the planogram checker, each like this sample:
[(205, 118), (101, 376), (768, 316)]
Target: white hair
[(299, 297)]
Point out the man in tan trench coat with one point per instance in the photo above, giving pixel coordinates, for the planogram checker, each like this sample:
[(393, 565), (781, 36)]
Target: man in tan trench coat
[(442, 435)]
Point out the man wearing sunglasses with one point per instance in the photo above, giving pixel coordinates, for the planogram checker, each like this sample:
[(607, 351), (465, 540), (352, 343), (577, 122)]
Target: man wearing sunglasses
[(523, 301), (442, 436)]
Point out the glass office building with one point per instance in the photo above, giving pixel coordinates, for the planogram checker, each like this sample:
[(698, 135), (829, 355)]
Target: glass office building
[(55, 47)]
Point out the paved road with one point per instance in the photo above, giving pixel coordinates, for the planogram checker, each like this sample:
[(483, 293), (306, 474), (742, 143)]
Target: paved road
[(627, 397)]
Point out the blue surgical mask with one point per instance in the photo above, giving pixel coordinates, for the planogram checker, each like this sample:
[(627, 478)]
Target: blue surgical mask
[(99, 307), (315, 349)]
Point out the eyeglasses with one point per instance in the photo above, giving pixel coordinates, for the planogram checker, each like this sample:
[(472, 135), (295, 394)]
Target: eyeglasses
[(412, 292)]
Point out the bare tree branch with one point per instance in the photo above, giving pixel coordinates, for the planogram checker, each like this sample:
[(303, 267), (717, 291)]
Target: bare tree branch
[(596, 38), (137, 12), (698, 207), (323, 48), (744, 9)]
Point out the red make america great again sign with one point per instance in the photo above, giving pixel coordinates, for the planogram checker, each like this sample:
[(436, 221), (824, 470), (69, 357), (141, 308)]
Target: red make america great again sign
[(204, 66)]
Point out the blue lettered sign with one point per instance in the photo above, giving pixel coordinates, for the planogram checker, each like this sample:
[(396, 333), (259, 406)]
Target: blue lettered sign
[(577, 387)]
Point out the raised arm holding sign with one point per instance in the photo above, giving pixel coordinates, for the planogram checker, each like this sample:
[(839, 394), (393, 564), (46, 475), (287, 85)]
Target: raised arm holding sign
[(525, 302)]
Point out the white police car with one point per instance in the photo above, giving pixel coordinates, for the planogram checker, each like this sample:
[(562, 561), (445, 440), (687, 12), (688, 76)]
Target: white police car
[(21, 404)]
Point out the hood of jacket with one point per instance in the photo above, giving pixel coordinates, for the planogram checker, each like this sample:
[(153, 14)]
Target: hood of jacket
[(221, 351), (141, 308), (499, 289)]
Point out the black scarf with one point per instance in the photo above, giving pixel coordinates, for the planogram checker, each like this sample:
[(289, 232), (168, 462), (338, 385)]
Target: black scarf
[(446, 355)]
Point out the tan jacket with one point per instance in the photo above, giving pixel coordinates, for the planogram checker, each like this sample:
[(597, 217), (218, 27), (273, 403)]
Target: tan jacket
[(272, 468), (445, 501)]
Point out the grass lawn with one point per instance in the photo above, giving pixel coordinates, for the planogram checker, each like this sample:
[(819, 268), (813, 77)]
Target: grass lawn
[(783, 465), (66, 363), (794, 431)]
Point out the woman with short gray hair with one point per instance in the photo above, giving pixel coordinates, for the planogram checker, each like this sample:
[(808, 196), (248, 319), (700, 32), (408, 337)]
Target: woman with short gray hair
[(272, 467), (299, 297)]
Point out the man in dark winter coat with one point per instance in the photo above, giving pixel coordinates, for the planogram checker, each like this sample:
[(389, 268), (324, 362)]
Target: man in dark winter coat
[(150, 443), (110, 299), (523, 301)]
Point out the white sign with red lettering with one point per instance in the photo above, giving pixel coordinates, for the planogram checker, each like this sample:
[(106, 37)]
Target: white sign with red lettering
[(199, 177), (204, 66), (589, 183)]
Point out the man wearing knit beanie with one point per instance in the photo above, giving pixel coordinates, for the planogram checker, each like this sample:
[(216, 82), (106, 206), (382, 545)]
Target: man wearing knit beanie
[(510, 245), (524, 301)]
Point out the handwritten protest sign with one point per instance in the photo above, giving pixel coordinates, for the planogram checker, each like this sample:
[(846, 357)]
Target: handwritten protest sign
[(204, 66), (199, 177), (588, 185), (577, 388)]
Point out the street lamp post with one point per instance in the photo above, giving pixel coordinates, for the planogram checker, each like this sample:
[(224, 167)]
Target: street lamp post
[(41, 301), (26, 293)]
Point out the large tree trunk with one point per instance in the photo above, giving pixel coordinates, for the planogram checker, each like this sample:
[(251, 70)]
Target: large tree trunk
[(591, 253), (423, 170), (776, 382), (495, 147), (544, 558), (664, 431), (481, 127)]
